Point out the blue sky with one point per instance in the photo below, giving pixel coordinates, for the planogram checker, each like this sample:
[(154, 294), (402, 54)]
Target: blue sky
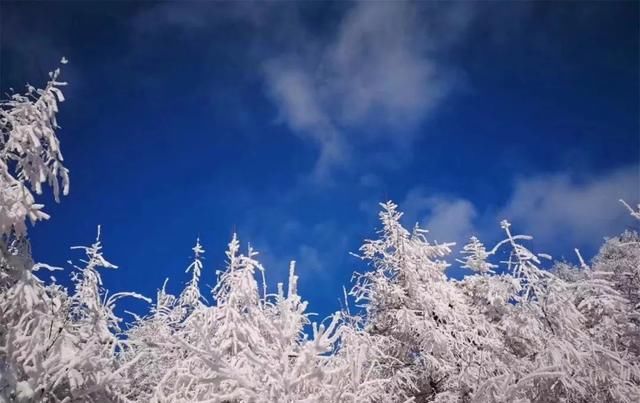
[(289, 121)]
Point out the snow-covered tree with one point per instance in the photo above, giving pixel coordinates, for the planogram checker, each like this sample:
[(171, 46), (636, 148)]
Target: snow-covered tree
[(190, 296), (30, 154), (33, 315), (435, 349), (548, 328), (476, 257), (54, 346), (249, 346), (57, 346), (150, 350)]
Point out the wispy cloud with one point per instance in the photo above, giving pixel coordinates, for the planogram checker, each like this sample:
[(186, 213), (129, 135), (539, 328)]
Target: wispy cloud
[(448, 219), (370, 76), (558, 208), (372, 81)]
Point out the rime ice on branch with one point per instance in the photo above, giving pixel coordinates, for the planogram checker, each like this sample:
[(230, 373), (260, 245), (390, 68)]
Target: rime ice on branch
[(30, 154)]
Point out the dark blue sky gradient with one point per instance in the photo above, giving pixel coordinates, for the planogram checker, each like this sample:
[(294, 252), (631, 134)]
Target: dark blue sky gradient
[(171, 130)]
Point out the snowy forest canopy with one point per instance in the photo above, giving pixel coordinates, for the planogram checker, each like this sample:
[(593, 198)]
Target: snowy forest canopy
[(512, 331)]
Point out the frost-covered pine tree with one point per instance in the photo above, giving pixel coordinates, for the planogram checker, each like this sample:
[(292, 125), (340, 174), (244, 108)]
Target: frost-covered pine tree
[(618, 264), (548, 328), (433, 348), (54, 346), (150, 349), (30, 154), (190, 297), (248, 346), (30, 311)]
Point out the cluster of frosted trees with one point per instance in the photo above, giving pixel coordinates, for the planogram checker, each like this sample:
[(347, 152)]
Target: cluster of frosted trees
[(509, 332)]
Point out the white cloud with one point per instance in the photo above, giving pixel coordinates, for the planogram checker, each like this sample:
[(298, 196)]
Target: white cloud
[(451, 220), (448, 219), (368, 80), (378, 66), (372, 81), (557, 208), (559, 211), (295, 93)]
